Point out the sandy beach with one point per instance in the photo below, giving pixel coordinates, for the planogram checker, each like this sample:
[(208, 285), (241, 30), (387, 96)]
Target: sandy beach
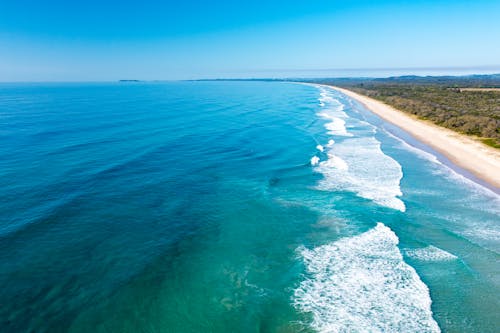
[(467, 153)]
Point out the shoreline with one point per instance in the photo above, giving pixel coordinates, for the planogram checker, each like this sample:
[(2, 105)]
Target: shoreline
[(480, 160)]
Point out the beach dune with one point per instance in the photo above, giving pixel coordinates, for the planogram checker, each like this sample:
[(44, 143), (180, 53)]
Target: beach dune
[(467, 153)]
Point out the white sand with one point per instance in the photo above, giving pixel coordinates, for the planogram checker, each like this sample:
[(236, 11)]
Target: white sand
[(472, 155)]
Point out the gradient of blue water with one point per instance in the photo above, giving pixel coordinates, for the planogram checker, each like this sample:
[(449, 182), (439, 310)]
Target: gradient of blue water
[(181, 207)]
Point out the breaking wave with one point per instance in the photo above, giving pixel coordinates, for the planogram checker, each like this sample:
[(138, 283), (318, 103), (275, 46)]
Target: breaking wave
[(362, 284), (356, 163)]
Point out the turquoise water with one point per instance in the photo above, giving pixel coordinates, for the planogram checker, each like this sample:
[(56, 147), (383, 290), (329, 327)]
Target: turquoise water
[(233, 207)]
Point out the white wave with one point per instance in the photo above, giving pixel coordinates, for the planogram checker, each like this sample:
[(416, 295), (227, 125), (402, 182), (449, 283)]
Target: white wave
[(314, 160), (332, 110), (365, 170), (335, 162), (430, 253), (337, 127), (320, 148), (362, 284), (326, 96), (357, 165)]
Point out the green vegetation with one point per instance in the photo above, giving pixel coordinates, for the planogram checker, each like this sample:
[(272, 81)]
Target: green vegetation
[(440, 100), (474, 113), (491, 142)]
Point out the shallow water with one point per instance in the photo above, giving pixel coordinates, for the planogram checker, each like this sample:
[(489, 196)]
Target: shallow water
[(194, 207)]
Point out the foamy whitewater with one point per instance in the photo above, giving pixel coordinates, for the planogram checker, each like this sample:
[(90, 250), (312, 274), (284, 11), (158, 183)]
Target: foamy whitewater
[(233, 207), (430, 253), (357, 164), (362, 284), (333, 112)]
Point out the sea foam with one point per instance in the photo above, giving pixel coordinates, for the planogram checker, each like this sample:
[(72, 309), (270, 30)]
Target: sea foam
[(359, 165), (336, 126), (430, 253), (332, 110), (362, 284)]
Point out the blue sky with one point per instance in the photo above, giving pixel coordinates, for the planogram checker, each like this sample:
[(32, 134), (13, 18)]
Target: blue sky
[(49, 40)]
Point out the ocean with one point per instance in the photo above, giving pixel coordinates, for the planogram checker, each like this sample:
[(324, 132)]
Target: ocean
[(233, 207)]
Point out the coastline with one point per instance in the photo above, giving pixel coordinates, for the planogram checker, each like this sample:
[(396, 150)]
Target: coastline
[(473, 156)]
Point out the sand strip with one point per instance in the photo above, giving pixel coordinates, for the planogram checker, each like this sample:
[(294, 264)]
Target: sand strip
[(471, 155)]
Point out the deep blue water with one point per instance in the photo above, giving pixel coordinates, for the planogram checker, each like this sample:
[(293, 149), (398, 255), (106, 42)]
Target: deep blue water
[(232, 207)]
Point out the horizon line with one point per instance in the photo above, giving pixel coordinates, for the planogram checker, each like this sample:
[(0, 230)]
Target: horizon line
[(279, 78)]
